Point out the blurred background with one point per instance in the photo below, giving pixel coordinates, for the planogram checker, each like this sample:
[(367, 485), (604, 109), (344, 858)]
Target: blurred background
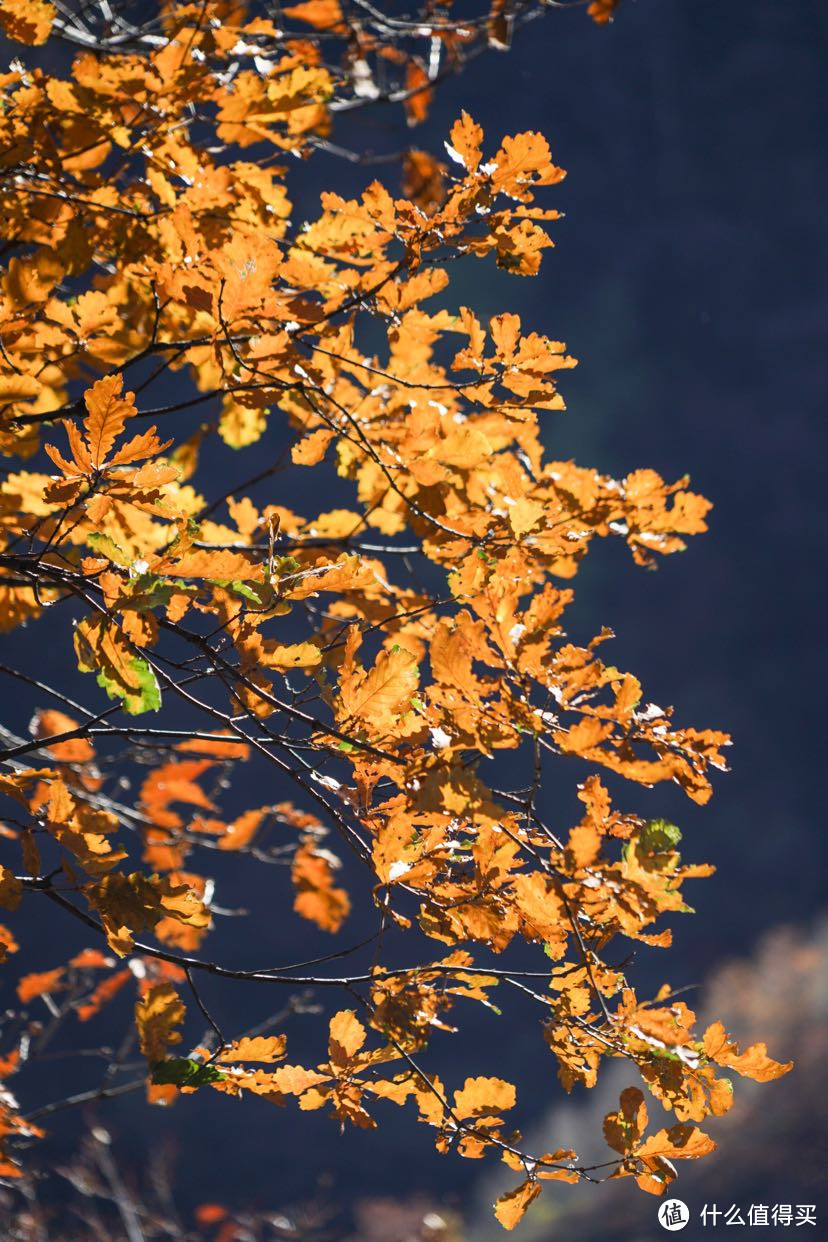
[(689, 277)]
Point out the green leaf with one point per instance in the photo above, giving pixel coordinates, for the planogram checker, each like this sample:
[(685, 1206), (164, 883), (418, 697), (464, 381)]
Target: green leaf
[(107, 547), (151, 591), (259, 593), (184, 1072), (658, 836), (144, 697)]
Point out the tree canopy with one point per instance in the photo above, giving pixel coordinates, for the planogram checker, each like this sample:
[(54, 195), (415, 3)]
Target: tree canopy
[(180, 351)]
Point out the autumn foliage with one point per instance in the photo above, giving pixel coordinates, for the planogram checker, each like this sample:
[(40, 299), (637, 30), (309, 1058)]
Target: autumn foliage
[(162, 308)]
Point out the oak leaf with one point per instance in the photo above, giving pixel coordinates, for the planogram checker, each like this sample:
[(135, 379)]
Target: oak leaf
[(158, 1015), (480, 1096), (377, 698), (753, 1063), (512, 1206), (100, 647), (347, 1035), (267, 1048)]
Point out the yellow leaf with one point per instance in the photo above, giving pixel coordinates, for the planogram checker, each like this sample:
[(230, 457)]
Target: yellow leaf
[(157, 1015), (464, 447), (240, 425), (523, 515), (14, 388), (300, 655)]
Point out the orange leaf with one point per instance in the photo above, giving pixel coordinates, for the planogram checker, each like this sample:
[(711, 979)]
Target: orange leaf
[(347, 1035), (8, 944), (210, 1213), (623, 1129), (91, 959), (753, 1063), (102, 994), (321, 14), (242, 831), (48, 722), (603, 11), (420, 92), (424, 180), (511, 1207), (384, 693), (107, 413), (27, 21), (295, 1079), (681, 1142), (466, 140), (312, 448), (317, 898), (483, 1095), (261, 1048), (42, 984)]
